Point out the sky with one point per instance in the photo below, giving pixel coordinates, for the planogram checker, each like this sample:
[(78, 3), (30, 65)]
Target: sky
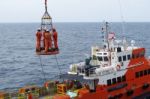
[(76, 10)]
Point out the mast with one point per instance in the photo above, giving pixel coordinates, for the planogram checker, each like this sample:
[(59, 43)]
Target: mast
[(105, 32)]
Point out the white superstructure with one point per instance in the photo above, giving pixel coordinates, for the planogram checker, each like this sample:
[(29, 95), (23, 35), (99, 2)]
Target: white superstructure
[(107, 62)]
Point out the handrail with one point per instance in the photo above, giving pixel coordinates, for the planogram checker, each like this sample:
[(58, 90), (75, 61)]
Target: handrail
[(90, 72)]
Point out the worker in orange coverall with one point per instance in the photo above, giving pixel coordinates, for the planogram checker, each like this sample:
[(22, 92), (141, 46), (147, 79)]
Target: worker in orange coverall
[(38, 40), (48, 41), (55, 38), (44, 39)]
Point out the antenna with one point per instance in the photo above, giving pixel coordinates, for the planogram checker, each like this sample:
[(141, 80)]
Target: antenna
[(105, 32), (122, 17)]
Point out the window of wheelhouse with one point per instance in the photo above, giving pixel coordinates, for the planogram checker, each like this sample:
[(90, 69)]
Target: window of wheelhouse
[(124, 78), (94, 57), (119, 58), (105, 53), (109, 82), (124, 58), (114, 81), (129, 57), (148, 71), (100, 58), (105, 58), (137, 74), (141, 73), (118, 79), (145, 72)]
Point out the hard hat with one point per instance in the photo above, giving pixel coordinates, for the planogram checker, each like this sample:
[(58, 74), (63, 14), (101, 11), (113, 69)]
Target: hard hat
[(47, 30), (38, 29), (53, 29)]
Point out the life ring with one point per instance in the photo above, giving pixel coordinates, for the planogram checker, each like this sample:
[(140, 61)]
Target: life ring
[(118, 67)]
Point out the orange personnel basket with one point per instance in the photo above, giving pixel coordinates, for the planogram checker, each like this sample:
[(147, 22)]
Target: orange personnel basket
[(46, 36)]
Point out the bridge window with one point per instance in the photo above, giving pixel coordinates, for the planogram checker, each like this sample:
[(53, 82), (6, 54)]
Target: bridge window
[(124, 58), (114, 81), (137, 74), (100, 53), (118, 79), (148, 71), (129, 57), (119, 58), (109, 82), (100, 58), (105, 53), (105, 58), (94, 57), (141, 73), (123, 78), (145, 72), (119, 49)]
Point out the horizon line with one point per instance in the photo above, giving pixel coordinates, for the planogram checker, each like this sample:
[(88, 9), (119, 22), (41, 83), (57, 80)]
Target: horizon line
[(85, 22)]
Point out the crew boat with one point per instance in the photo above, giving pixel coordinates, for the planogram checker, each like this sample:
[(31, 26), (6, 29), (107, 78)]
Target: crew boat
[(117, 70)]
